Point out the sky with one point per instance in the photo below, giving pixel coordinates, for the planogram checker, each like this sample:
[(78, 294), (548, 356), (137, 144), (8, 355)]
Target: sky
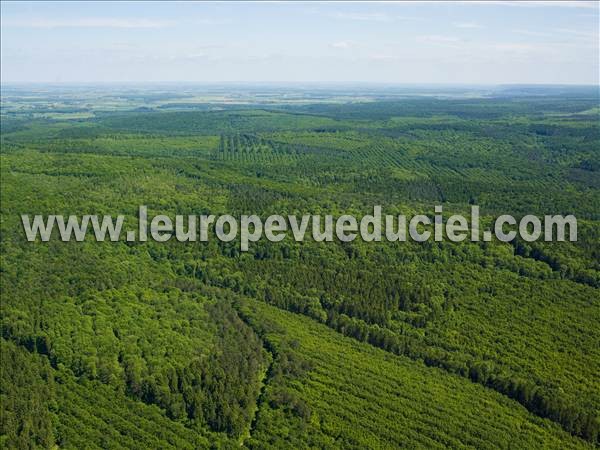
[(488, 42)]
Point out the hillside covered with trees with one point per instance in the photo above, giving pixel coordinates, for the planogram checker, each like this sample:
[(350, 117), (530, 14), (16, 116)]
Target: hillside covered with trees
[(301, 344)]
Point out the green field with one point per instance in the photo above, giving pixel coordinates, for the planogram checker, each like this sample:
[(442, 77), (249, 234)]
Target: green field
[(300, 344)]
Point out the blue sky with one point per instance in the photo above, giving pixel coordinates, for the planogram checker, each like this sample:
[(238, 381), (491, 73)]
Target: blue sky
[(406, 42)]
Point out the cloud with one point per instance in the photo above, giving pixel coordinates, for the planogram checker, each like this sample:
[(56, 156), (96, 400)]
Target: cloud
[(437, 38), (384, 58), (533, 4), (516, 47), (370, 17), (564, 36), (578, 33), (467, 25), (531, 33), (86, 22), (342, 44)]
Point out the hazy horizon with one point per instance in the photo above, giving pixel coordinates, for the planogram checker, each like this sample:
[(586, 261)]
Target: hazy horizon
[(284, 83)]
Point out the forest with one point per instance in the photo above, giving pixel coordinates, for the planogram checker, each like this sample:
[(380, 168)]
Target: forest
[(300, 344)]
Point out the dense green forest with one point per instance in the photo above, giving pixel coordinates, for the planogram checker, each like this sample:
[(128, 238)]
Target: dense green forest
[(300, 344)]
